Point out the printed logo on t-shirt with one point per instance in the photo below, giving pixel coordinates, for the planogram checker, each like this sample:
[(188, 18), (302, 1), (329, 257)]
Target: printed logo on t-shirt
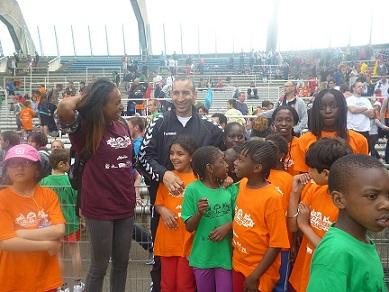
[(218, 210), (243, 220), (319, 221), (33, 220), (237, 244), (119, 142)]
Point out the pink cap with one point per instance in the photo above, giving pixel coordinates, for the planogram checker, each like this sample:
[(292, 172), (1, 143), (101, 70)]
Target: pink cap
[(23, 151)]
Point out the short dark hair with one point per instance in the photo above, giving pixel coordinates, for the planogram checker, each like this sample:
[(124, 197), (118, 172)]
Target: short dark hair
[(39, 138), (288, 108), (201, 157), (186, 142), (222, 118), (138, 121), (229, 126), (57, 156), (184, 78), (201, 106), (266, 103), (324, 152), (11, 137), (232, 102), (261, 152), (343, 170)]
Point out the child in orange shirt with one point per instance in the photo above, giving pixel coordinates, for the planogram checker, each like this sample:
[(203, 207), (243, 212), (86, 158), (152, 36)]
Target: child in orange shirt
[(284, 119), (31, 226), (26, 115), (171, 236), (311, 209), (259, 226), (283, 180), (328, 119)]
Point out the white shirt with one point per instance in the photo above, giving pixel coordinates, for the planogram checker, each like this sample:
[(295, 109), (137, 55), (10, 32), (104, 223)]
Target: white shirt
[(358, 122), (183, 120)]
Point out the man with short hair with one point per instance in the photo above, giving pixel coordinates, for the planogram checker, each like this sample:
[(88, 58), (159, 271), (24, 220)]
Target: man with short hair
[(360, 111), (241, 105), (154, 152)]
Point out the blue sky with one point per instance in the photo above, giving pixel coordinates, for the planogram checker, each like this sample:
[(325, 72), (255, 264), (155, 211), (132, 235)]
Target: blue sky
[(222, 26)]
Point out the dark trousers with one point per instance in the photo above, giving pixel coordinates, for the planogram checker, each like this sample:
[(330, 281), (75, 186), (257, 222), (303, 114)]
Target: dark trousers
[(373, 139), (143, 237), (108, 239)]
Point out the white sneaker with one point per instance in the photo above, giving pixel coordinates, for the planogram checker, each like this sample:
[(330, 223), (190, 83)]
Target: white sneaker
[(79, 286)]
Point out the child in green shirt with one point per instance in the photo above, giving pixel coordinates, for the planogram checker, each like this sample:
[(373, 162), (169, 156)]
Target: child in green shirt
[(58, 181), (346, 259), (207, 210)]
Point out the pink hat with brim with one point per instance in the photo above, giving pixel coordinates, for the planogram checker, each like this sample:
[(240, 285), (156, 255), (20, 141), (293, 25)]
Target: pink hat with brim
[(24, 151)]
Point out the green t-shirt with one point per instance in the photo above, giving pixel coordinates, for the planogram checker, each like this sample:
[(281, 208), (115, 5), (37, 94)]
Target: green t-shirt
[(342, 263), (67, 196), (206, 254)]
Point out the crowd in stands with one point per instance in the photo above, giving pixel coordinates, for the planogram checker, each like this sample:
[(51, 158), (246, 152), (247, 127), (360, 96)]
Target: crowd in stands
[(279, 199)]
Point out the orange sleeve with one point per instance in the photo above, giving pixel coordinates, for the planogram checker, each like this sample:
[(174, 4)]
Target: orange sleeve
[(276, 223), (53, 207), (160, 195), (299, 156), (7, 229)]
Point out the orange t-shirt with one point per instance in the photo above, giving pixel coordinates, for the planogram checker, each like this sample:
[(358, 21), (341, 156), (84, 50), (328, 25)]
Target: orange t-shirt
[(323, 214), (290, 159), (26, 116), (173, 242), (283, 181), (357, 142), (259, 223), (34, 271)]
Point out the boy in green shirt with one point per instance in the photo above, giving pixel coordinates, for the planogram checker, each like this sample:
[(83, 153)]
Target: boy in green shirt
[(59, 182), (346, 259)]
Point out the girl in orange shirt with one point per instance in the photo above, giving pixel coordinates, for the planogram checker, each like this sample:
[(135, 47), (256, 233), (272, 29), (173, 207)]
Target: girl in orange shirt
[(284, 119), (171, 239), (259, 226), (283, 180), (31, 226), (328, 119)]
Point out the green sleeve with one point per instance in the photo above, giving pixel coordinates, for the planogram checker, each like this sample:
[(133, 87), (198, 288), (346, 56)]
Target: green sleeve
[(324, 278), (234, 190), (189, 204)]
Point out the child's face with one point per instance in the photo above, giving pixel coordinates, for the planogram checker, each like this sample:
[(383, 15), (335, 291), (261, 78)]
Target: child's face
[(284, 122), (367, 201), (329, 110), (244, 166), (319, 178), (220, 167), (56, 145), (235, 137), (180, 158), (20, 170)]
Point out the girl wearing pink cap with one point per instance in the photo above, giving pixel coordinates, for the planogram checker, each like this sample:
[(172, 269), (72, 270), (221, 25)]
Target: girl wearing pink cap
[(31, 226)]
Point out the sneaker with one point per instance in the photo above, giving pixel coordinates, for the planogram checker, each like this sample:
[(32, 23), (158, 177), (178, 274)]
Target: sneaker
[(64, 288), (150, 261), (79, 286)]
